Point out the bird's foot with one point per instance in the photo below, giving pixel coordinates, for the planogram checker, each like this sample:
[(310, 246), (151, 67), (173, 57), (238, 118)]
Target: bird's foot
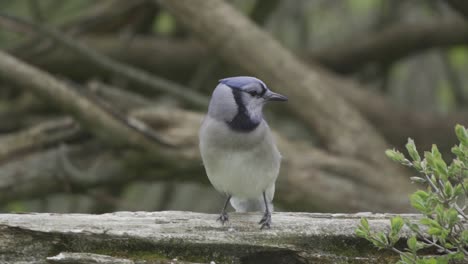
[(223, 218), (266, 221)]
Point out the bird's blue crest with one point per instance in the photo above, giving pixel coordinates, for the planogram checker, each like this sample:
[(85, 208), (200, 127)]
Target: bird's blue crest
[(240, 81)]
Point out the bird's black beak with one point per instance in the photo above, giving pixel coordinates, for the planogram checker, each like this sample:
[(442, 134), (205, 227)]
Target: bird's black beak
[(271, 96)]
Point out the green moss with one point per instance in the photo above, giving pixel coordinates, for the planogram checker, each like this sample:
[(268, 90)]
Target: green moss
[(139, 255), (145, 249)]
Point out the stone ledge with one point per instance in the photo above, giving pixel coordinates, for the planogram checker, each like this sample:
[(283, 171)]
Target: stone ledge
[(161, 237)]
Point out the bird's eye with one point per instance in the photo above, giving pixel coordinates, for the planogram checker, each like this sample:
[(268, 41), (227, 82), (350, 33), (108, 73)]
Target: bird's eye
[(253, 93)]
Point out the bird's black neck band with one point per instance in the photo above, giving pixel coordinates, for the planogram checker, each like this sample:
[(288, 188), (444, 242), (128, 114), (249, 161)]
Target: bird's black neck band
[(242, 122)]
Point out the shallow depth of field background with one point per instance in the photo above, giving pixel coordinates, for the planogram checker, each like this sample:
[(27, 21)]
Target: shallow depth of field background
[(412, 55)]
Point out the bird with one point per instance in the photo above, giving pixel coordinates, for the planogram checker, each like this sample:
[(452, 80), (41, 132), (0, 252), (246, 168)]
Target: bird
[(237, 147)]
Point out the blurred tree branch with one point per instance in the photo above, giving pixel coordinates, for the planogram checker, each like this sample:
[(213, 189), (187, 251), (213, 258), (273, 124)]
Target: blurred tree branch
[(395, 42), (181, 57), (207, 68), (173, 58), (320, 180), (337, 179), (39, 136), (90, 115), (113, 66), (341, 128), (461, 6)]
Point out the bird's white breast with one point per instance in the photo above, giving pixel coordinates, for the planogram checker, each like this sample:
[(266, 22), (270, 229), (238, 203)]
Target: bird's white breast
[(239, 164)]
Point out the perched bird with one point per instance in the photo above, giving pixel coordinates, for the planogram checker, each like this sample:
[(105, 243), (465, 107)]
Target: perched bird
[(238, 151)]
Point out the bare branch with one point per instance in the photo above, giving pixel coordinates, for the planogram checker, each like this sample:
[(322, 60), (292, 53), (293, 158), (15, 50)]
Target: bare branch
[(460, 6), (90, 115), (395, 42), (115, 67), (39, 136)]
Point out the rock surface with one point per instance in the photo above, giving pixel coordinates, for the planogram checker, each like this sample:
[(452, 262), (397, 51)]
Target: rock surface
[(187, 237)]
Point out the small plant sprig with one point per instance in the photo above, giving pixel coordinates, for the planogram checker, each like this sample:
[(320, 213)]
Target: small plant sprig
[(443, 205)]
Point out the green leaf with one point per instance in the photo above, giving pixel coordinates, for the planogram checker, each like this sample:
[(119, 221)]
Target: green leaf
[(395, 155), (434, 231), (464, 236), (412, 151), (396, 224), (412, 243), (412, 226), (438, 260), (442, 259), (365, 223), (448, 245), (436, 163), (458, 151), (448, 189), (429, 158), (424, 195), (458, 190), (455, 168), (406, 259), (452, 217), (429, 222), (457, 256), (462, 134), (418, 201), (383, 238), (441, 168), (362, 233), (435, 152)]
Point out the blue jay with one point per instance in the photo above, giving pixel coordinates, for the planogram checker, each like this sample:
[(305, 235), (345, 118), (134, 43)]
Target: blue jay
[(238, 151)]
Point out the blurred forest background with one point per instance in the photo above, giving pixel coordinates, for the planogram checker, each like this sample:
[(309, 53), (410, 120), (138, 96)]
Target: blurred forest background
[(107, 119)]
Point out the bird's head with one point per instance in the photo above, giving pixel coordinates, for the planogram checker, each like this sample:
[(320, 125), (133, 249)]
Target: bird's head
[(241, 99)]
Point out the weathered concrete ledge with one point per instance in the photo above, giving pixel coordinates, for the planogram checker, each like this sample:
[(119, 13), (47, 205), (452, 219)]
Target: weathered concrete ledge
[(187, 237)]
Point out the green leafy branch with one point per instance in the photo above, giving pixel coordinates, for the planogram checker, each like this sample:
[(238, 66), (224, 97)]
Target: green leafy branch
[(443, 204)]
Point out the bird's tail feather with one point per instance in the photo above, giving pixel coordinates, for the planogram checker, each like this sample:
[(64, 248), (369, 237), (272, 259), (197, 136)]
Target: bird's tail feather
[(242, 205)]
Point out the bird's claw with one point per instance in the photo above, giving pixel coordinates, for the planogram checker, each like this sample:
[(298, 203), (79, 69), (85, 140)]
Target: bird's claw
[(266, 221), (223, 218)]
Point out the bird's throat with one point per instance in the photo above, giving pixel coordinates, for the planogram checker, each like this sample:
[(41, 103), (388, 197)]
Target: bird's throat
[(242, 121)]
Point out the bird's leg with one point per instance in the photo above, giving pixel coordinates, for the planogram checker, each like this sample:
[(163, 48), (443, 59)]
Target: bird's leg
[(223, 217), (266, 220)]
